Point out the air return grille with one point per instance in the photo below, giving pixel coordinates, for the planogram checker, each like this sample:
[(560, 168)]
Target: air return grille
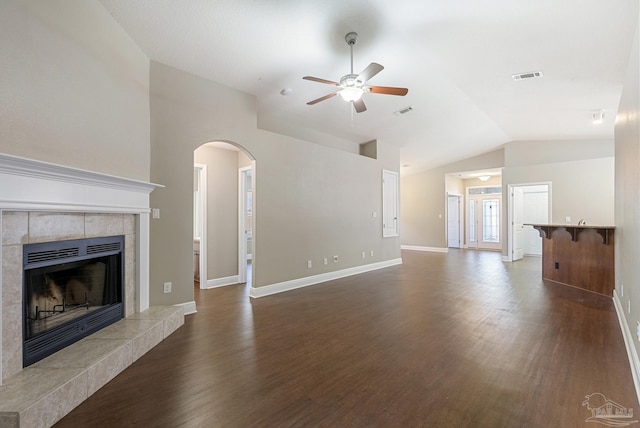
[(403, 111), (529, 75)]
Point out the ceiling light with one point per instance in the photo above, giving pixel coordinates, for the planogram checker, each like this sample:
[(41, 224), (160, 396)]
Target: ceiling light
[(597, 117), (351, 94), (484, 177)]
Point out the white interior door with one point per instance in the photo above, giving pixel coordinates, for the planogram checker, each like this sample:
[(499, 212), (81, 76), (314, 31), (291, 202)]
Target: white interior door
[(536, 211), (518, 228), (453, 221), (530, 204)]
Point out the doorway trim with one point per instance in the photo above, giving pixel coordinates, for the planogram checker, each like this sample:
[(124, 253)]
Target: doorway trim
[(461, 226), (510, 213), (242, 213), (202, 186)]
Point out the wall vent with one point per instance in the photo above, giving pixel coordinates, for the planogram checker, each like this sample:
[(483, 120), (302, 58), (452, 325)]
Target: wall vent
[(403, 111), (530, 75)]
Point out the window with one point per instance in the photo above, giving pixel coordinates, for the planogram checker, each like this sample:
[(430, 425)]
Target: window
[(484, 191), (491, 223)]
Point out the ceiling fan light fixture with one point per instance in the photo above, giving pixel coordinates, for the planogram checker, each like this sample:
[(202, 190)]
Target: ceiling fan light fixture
[(351, 94), (484, 178)]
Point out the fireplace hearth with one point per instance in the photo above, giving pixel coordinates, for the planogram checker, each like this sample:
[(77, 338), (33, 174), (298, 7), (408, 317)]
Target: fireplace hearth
[(71, 289)]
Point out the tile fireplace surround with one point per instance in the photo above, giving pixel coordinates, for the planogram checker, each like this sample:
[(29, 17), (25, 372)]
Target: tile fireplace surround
[(42, 202)]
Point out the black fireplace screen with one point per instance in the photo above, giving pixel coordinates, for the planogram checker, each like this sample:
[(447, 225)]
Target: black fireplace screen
[(71, 289)]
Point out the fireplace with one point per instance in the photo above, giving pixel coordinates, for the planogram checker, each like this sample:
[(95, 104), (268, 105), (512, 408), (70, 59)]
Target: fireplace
[(71, 289)]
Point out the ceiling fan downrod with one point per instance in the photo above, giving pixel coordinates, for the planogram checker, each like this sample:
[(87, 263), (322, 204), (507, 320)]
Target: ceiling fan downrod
[(351, 38)]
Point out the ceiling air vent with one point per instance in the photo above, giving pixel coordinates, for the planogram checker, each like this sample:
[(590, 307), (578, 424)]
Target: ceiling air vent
[(530, 75), (403, 111)]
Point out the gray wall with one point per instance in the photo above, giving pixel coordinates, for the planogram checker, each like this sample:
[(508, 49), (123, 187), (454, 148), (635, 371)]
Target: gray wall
[(582, 188), (310, 201), (627, 193), (74, 88), (424, 201)]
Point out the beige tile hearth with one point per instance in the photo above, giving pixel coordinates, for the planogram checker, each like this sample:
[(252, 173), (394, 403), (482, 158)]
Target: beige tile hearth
[(43, 393)]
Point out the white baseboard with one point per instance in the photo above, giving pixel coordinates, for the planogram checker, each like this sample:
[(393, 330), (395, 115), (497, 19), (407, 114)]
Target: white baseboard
[(629, 341), (281, 287), (189, 307), (507, 259), (221, 282), (419, 248)]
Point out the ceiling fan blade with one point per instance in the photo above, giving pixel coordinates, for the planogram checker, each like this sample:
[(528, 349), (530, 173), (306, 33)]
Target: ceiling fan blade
[(319, 80), (387, 90), (371, 70), (359, 105), (326, 97)]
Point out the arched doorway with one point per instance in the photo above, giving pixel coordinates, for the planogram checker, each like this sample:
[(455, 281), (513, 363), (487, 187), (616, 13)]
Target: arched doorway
[(224, 217)]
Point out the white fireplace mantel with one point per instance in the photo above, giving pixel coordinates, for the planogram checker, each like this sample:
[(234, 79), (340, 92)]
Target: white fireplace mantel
[(37, 185), (31, 185)]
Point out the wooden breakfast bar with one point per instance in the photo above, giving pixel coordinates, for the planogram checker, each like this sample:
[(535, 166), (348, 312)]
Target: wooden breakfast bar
[(580, 256)]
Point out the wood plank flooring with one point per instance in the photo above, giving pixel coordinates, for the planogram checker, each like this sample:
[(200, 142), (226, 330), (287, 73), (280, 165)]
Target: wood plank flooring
[(444, 340)]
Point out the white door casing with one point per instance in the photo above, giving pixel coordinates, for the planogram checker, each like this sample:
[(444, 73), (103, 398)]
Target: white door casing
[(518, 229), (453, 221)]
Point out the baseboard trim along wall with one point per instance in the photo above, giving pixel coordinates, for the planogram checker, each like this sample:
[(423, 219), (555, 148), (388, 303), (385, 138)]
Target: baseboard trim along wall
[(221, 282), (419, 248), (188, 307), (281, 287), (634, 362)]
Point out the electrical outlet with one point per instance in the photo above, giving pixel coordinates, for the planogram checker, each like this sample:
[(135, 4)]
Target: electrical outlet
[(371, 253), (309, 264), (167, 287), (335, 259), (567, 219), (326, 261), (155, 213), (364, 255)]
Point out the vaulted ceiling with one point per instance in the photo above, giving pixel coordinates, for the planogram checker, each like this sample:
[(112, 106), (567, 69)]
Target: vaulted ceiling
[(457, 58)]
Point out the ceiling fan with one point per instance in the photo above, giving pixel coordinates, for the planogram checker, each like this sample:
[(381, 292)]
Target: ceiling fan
[(352, 86)]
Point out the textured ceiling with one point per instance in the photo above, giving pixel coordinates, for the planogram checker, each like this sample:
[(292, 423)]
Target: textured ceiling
[(456, 57)]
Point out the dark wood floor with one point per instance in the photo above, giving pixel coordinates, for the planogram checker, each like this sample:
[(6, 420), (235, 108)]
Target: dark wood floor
[(444, 340)]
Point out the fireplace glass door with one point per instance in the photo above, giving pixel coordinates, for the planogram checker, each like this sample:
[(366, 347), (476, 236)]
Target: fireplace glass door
[(71, 289)]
